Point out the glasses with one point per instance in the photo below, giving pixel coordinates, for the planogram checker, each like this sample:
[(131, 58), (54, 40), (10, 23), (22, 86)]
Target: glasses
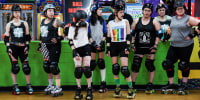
[(179, 9)]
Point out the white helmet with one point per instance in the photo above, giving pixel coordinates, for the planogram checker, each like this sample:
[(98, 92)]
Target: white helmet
[(48, 6)]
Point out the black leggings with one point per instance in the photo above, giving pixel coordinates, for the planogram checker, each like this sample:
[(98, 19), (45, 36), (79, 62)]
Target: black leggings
[(182, 53)]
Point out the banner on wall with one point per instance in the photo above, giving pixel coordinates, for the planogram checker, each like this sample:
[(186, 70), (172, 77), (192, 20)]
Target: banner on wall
[(57, 3), (134, 10)]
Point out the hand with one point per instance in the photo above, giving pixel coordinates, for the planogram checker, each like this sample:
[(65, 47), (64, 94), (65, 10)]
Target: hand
[(133, 47), (127, 49), (108, 51), (153, 49), (198, 31), (54, 40), (9, 50), (169, 31), (75, 54), (26, 49), (102, 45), (94, 44)]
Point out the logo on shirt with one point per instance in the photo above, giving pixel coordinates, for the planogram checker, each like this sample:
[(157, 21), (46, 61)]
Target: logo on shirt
[(144, 37), (18, 32), (44, 31)]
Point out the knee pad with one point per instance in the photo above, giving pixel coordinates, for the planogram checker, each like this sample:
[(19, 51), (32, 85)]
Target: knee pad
[(149, 64), (78, 72), (15, 67), (87, 71), (26, 68), (125, 71), (54, 68), (136, 63), (46, 67), (101, 63), (116, 69), (183, 66), (93, 64), (167, 65)]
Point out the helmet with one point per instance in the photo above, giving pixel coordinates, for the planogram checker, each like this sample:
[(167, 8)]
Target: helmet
[(160, 6), (148, 5), (15, 8), (48, 6), (118, 8), (80, 14), (95, 7), (179, 4)]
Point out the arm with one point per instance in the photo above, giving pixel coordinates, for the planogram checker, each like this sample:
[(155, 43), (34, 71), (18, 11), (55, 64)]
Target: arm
[(194, 22), (6, 38), (157, 27), (108, 41), (128, 37), (28, 37), (133, 35)]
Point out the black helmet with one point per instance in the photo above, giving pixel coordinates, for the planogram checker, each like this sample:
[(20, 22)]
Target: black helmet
[(15, 8), (80, 14), (179, 4), (148, 5), (118, 8), (160, 6)]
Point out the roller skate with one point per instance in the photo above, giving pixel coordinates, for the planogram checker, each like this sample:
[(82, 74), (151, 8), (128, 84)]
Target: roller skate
[(103, 87), (56, 91), (183, 89), (78, 95), (117, 93), (16, 90), (149, 89), (29, 89), (169, 89), (131, 93), (134, 89), (89, 95), (48, 89)]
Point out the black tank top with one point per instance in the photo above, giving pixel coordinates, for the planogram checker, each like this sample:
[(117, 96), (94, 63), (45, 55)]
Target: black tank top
[(48, 31), (17, 33), (145, 35)]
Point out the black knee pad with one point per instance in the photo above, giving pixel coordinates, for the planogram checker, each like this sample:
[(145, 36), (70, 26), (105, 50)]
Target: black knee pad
[(101, 63), (167, 65), (87, 71), (15, 67), (183, 66), (136, 63), (54, 68), (93, 64), (149, 64), (78, 72), (46, 67), (26, 68), (116, 69), (125, 71)]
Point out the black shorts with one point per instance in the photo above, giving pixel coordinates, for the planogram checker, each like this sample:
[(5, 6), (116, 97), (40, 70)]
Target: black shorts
[(182, 53), (94, 50), (143, 51), (84, 51), (51, 52), (18, 51), (118, 49)]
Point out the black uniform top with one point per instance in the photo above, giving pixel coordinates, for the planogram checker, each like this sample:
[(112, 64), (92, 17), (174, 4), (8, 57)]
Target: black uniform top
[(17, 33), (126, 16), (145, 35), (48, 31)]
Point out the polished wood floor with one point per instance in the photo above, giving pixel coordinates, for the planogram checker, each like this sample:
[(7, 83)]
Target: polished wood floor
[(69, 95)]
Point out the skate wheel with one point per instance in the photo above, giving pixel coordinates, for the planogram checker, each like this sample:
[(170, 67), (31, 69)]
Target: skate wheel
[(60, 93), (54, 95), (162, 92), (135, 90), (117, 96), (47, 92), (131, 97), (173, 92), (166, 92)]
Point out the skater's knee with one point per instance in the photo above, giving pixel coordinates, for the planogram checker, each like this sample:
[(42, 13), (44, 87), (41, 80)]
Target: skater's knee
[(136, 63), (54, 68), (26, 68), (78, 72), (87, 71), (125, 71), (101, 63), (15, 67), (149, 64), (167, 65), (46, 67), (116, 69), (93, 64), (183, 66)]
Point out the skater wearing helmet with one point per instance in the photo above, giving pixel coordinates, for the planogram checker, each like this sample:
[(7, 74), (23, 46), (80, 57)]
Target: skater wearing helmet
[(165, 21), (145, 42), (79, 42), (118, 42), (97, 34), (18, 31), (50, 46), (181, 47)]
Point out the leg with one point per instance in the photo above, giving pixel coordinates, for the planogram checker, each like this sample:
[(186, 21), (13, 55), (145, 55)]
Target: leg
[(137, 60)]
